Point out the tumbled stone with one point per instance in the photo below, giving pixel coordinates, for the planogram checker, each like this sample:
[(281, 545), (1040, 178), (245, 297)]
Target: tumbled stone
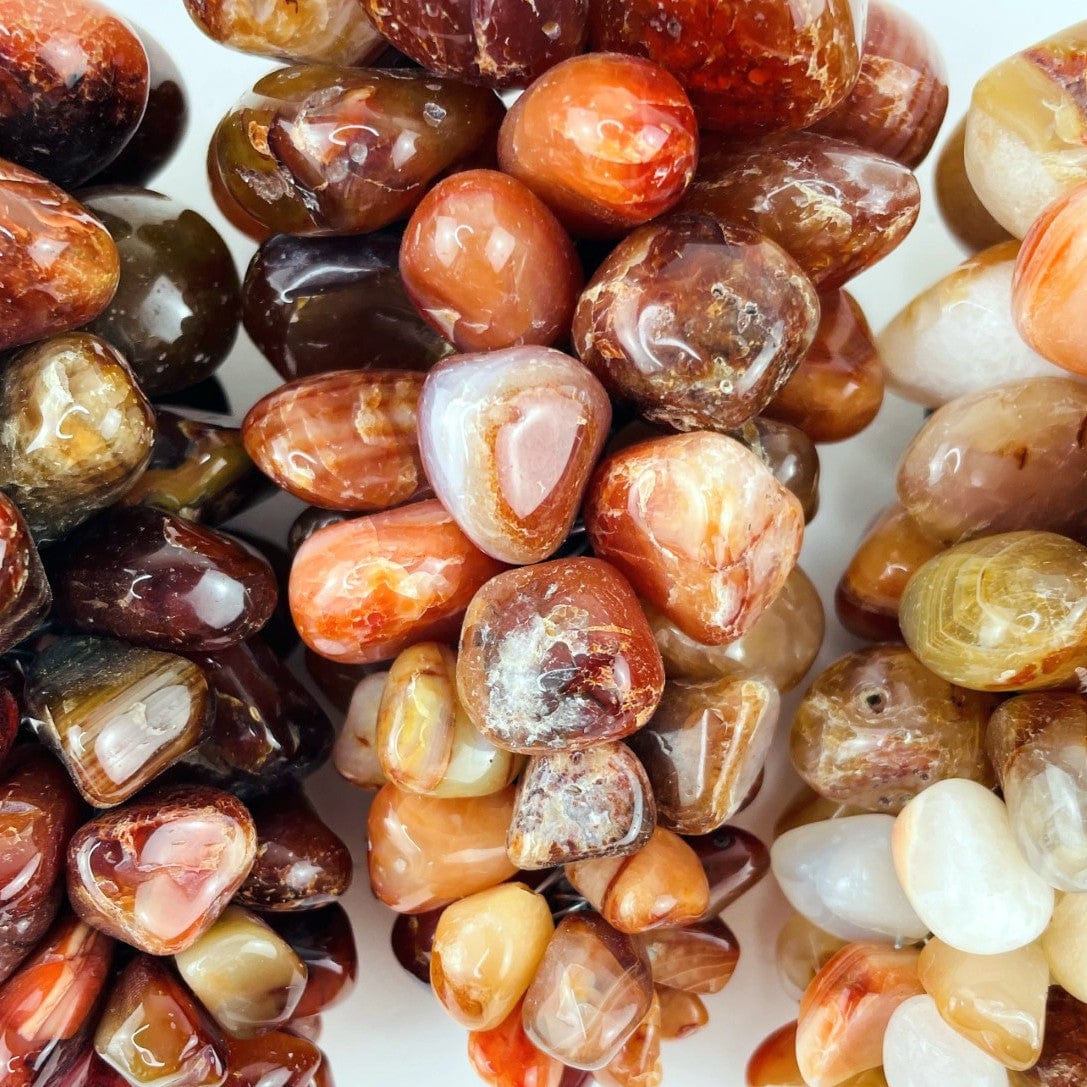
[(801, 951)]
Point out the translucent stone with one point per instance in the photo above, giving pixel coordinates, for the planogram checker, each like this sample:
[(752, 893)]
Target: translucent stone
[(790, 455), (504, 1056), (960, 209), (487, 949), (921, 1050), (704, 748), (773, 1063), (840, 875), (25, 596), (1063, 1062), (734, 860), (1025, 129), (1002, 613), (962, 871), (801, 951), (638, 1063), (999, 460), (572, 805), (682, 1013), (1065, 944), (698, 958), (997, 1001), (323, 939), (355, 752), (846, 1008), (809, 807), (958, 336), (877, 727), (509, 439)]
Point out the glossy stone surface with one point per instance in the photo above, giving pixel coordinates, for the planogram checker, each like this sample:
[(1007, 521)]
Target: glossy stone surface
[(412, 940), (773, 1063), (590, 993), (869, 591), (682, 1013), (755, 69), (505, 1057), (156, 579), (1064, 1051), (75, 87), (68, 287), (699, 526), (832, 206), (75, 431), (1025, 129), (734, 860), (51, 998), (704, 748), (426, 852), (958, 336), (505, 44), (25, 596), (997, 1001), (282, 164), (326, 32), (790, 455), (488, 265), (572, 805), (921, 1050), (960, 209), (176, 312), (840, 875), (116, 715), (801, 951), (157, 873), (837, 389), (354, 753), (975, 614), (877, 728), (1063, 944), (699, 958), (199, 468), (899, 100), (279, 1057), (958, 863), (509, 439), (606, 141), (696, 322), (661, 886), (809, 807), (304, 298), (410, 574), (845, 1011), (638, 1063), (343, 440), (300, 864), (323, 939), (781, 645), (155, 1034), (246, 976), (557, 656)]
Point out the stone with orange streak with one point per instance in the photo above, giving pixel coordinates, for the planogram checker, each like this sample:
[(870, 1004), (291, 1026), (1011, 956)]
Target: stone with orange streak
[(505, 1057), (638, 1063), (682, 1013)]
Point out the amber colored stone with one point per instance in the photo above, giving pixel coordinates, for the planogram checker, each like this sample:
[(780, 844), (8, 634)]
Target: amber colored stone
[(267, 727), (176, 312), (700, 527), (59, 264), (734, 860), (846, 1008), (835, 208), (661, 886), (75, 87), (696, 322), (682, 1013), (155, 579), (283, 160), (116, 715), (487, 264), (869, 591), (809, 807), (704, 748), (699, 958), (325, 32), (606, 141), (638, 1063), (572, 805), (509, 439), (343, 440), (426, 852), (773, 1063), (877, 727), (408, 574), (961, 210), (277, 1058), (1001, 613), (782, 644), (412, 940), (157, 872), (837, 389), (304, 299), (51, 997), (76, 431), (323, 939), (1063, 1062), (505, 1057), (246, 976), (789, 454), (25, 596), (801, 951), (354, 753), (899, 100), (591, 992), (558, 656), (300, 862), (155, 1034)]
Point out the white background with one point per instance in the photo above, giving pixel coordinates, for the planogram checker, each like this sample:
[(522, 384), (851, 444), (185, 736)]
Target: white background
[(391, 1031)]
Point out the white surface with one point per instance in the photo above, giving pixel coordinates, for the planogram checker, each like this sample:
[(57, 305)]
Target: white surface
[(391, 1032)]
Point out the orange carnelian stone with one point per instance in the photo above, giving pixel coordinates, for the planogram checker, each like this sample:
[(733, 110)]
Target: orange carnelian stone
[(362, 590), (606, 141), (504, 1057)]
